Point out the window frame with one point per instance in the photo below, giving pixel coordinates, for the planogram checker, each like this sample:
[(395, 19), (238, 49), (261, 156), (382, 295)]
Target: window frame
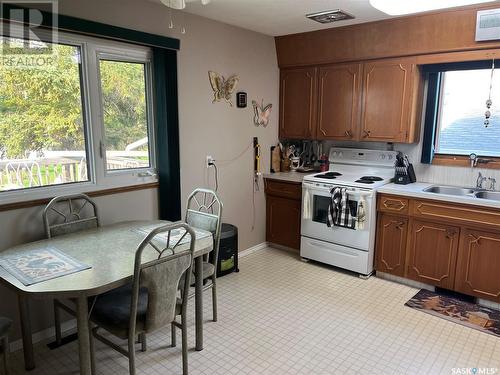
[(98, 179), (434, 77)]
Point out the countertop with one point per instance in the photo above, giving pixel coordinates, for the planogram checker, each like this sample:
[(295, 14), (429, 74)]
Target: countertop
[(296, 177), (415, 190)]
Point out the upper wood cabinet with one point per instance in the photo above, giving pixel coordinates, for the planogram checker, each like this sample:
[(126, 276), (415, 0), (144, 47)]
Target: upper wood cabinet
[(389, 100), (298, 103), (478, 264), (339, 98)]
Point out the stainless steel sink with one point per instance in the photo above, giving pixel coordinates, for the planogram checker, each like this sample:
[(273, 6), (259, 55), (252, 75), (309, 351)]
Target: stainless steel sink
[(449, 190), (492, 195)]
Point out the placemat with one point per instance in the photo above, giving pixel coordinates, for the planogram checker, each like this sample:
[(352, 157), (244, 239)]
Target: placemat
[(35, 266)]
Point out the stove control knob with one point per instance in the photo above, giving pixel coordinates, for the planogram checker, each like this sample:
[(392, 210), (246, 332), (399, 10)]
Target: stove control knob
[(382, 156), (390, 157), (340, 154)]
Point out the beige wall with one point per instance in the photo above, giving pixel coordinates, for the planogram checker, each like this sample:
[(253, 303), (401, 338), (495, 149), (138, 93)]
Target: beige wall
[(205, 128)]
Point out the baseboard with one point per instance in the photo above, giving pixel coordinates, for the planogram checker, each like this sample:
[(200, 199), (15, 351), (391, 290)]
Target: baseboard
[(66, 327), (253, 249), (404, 281), (281, 247)]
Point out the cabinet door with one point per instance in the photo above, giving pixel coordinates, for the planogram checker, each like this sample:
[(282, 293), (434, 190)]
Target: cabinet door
[(339, 98), (298, 103), (432, 253), (391, 244), (478, 264), (283, 221), (387, 100)]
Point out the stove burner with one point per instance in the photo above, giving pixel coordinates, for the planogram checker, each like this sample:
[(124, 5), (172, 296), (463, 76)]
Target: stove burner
[(328, 175), (371, 178), (361, 181)]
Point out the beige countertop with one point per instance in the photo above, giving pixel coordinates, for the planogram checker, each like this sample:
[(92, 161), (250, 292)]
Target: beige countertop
[(287, 176), (416, 190)]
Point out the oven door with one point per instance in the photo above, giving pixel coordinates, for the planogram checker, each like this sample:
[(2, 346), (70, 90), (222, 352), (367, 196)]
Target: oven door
[(315, 227)]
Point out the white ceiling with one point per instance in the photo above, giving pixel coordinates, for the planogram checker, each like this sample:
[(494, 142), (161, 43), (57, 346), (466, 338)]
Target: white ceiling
[(281, 17)]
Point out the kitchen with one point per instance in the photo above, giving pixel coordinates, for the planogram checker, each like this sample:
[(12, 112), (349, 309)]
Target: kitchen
[(354, 145)]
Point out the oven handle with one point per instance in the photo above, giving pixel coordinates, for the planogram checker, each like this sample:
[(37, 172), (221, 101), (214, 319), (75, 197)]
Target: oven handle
[(353, 191)]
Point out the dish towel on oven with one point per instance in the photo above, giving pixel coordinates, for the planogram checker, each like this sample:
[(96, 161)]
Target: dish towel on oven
[(306, 205), (341, 211)]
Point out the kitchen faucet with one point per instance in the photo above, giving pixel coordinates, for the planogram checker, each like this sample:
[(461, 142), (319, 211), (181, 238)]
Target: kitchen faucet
[(493, 181), (480, 180)]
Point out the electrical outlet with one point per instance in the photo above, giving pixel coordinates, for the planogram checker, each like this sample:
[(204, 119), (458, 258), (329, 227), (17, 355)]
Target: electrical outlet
[(210, 161)]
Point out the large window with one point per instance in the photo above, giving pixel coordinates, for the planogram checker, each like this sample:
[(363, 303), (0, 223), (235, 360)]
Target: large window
[(83, 119), (456, 108)]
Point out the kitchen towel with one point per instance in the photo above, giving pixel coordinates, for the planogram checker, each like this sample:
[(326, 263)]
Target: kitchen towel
[(306, 205), (343, 212)]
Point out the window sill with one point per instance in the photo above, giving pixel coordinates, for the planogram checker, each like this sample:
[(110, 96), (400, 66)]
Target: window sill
[(94, 193), (464, 161)]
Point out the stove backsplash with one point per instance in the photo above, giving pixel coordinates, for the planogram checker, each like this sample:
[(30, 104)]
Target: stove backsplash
[(436, 174)]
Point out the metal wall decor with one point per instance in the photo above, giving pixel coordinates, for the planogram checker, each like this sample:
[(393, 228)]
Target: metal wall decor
[(223, 88), (261, 113)]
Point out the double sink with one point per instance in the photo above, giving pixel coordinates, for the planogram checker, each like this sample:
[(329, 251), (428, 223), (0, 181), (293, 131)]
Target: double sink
[(464, 192)]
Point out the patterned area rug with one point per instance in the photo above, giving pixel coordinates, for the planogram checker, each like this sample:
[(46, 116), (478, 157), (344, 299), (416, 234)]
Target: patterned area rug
[(458, 311)]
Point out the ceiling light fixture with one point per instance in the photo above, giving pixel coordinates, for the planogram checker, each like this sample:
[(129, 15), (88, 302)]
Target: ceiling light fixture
[(401, 7), (330, 16)]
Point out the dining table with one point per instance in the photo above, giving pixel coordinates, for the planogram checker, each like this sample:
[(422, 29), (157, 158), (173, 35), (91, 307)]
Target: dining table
[(110, 252)]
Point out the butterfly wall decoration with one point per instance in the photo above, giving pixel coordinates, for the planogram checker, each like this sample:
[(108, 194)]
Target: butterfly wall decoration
[(261, 113), (223, 88)]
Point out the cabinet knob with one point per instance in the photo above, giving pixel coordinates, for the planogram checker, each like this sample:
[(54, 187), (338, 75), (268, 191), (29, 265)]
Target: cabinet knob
[(450, 233), (366, 133)]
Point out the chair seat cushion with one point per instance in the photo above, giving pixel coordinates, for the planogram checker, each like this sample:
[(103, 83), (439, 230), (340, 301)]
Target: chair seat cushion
[(112, 310), (208, 270), (5, 325)]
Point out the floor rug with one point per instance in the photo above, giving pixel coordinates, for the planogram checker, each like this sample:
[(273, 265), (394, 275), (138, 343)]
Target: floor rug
[(457, 311)]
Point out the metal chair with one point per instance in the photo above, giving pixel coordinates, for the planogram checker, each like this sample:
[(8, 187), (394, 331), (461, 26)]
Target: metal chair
[(204, 211), (5, 325), (64, 215), (151, 301)]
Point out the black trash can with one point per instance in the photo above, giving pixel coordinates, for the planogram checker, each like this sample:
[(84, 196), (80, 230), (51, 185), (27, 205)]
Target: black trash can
[(228, 250)]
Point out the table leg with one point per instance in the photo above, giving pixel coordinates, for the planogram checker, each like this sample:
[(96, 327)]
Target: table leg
[(24, 314), (82, 322), (198, 298)]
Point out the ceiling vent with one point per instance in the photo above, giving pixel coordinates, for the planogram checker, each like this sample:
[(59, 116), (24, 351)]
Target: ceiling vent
[(329, 16)]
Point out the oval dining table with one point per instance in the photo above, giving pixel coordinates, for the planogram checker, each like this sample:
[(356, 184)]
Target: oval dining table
[(110, 253)]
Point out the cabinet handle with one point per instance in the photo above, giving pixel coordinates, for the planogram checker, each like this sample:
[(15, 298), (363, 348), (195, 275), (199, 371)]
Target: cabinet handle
[(348, 133), (366, 133)]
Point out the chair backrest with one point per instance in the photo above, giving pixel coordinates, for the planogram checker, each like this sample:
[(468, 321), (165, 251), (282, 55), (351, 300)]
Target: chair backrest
[(175, 244), (204, 211), (69, 214)]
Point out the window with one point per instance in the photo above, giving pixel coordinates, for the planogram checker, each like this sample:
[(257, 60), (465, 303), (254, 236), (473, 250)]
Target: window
[(455, 112), (83, 122)]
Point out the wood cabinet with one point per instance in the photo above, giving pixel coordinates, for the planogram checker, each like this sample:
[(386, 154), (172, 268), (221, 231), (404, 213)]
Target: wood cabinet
[(339, 99), (478, 266), (453, 246), (391, 244), (388, 99), (283, 213), (432, 253), (298, 103), (372, 101)]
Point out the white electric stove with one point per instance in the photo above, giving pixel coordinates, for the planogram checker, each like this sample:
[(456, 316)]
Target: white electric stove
[(361, 172)]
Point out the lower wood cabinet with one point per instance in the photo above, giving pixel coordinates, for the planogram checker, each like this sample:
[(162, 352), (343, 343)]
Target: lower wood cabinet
[(452, 246), (391, 244), (478, 266), (432, 253), (283, 213)]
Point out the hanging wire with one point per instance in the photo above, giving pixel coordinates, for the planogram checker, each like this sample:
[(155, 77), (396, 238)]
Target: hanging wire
[(489, 102)]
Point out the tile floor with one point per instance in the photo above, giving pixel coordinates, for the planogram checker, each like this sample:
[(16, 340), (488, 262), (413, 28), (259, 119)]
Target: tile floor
[(283, 316)]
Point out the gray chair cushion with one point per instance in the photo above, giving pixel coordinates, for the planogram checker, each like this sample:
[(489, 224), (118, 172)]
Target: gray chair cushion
[(112, 310), (5, 325)]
